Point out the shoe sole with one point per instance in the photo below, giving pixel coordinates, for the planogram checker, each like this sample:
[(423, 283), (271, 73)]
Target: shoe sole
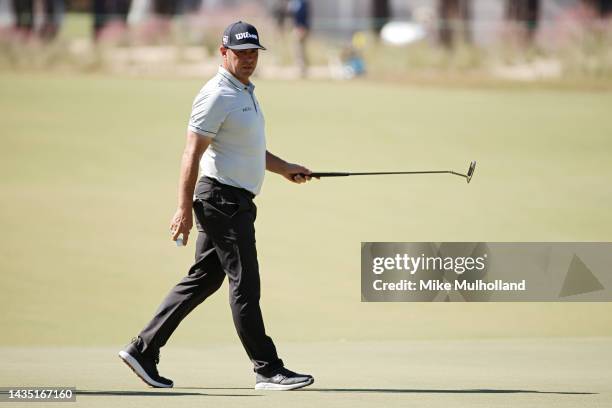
[(139, 371), (282, 387)]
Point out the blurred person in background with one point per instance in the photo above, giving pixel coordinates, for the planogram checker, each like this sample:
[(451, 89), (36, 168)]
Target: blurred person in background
[(279, 14), (154, 18), (190, 6), (163, 13), (353, 64), (51, 12), (299, 10), (110, 19), (7, 19)]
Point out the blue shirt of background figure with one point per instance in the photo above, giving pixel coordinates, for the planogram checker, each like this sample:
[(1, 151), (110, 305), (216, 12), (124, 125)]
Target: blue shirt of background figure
[(300, 10)]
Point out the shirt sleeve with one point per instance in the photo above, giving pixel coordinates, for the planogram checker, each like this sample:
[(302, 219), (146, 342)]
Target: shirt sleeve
[(207, 114)]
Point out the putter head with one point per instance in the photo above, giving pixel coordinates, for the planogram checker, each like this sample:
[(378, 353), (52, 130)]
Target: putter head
[(471, 171)]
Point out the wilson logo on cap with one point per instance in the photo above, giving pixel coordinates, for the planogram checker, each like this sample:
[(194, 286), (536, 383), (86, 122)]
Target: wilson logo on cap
[(244, 35), (225, 39)]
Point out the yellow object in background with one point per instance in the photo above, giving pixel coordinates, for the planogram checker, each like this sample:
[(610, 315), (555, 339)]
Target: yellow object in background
[(359, 40)]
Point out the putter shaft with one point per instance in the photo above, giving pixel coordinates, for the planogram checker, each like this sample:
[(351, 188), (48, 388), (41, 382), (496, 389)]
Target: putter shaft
[(467, 176), (377, 173)]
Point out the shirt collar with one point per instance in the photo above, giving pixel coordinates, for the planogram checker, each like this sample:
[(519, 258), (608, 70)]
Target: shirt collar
[(235, 81)]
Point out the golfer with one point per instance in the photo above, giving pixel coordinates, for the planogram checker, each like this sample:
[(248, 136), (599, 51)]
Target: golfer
[(226, 137)]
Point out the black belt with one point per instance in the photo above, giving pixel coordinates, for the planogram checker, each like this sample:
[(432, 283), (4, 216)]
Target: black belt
[(215, 182)]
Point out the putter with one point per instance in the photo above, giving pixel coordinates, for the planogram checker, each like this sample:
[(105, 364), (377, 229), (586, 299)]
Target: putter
[(468, 176)]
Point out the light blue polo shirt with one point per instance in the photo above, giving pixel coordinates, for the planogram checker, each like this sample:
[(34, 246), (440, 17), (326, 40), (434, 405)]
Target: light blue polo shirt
[(227, 111)]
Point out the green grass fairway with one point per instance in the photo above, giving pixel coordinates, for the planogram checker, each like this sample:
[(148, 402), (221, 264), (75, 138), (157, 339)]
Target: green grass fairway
[(89, 168), (88, 173), (502, 373)]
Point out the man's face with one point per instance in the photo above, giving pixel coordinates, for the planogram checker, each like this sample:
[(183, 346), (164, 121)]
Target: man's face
[(241, 63)]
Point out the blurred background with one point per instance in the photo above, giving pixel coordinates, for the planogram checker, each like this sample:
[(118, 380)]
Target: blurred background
[(520, 40)]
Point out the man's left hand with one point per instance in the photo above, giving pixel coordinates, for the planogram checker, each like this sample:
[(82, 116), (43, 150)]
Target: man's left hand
[(296, 173)]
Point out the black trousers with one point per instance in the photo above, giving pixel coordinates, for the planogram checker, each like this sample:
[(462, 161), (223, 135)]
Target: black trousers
[(225, 217)]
